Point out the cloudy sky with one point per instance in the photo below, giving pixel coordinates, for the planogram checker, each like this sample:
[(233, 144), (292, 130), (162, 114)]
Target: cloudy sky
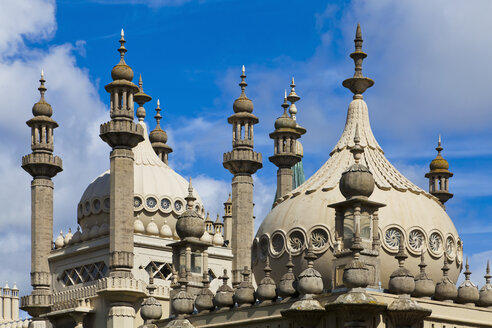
[(428, 59)]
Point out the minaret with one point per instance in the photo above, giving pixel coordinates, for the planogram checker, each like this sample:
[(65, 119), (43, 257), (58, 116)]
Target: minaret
[(7, 303), (121, 134), (15, 302), (42, 166), (228, 221), (242, 162), (158, 137), (285, 148), (439, 176)]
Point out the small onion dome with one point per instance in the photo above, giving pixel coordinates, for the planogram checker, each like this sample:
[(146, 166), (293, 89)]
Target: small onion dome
[(206, 237), (288, 282), (310, 281), (445, 288), (85, 234), (94, 232), (204, 301), (150, 309), (182, 301), (158, 135), (245, 292), (25, 324), (285, 122), (218, 240), (243, 103), (77, 237), (190, 224), (468, 291), (357, 180), (402, 281), (223, 298), (122, 71), (355, 274), (424, 286), (166, 231), (439, 164), (68, 237), (104, 229), (59, 241), (138, 226), (42, 108), (486, 291), (152, 228)]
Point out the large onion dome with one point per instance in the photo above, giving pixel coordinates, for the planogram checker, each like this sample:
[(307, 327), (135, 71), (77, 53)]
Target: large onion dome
[(159, 192)]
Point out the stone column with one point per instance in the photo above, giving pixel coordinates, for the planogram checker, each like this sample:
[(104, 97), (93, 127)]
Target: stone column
[(7, 304), (228, 221), (15, 303), (284, 181)]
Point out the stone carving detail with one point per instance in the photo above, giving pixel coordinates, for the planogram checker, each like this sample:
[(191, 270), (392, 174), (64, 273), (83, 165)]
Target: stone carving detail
[(277, 243), (319, 238), (392, 238), (137, 202), (416, 240), (178, 205), (151, 202), (459, 252), (450, 247), (296, 241), (165, 203), (435, 242)]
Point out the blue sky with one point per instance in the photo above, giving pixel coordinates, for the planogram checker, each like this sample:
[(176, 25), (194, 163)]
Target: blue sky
[(428, 60)]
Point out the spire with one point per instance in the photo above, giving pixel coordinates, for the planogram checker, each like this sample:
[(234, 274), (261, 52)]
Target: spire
[(141, 98), (158, 116), (285, 104), (122, 50), (487, 273), (358, 83), (293, 98), (357, 150), (190, 199), (439, 175), (42, 108)]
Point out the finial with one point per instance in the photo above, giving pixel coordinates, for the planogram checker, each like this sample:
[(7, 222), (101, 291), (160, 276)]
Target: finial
[(42, 89), (290, 264), (267, 269), (122, 50), (243, 83), (217, 220), (42, 73), (422, 264), (439, 147), (285, 105), (190, 199), (401, 256), (358, 83), (224, 277), (151, 287), (445, 267), (357, 149), (158, 116), (243, 70), (140, 83), (467, 270), (487, 273), (310, 257), (293, 97)]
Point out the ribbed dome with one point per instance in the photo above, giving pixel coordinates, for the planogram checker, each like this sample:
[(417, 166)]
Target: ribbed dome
[(304, 214), (159, 191), (439, 164)]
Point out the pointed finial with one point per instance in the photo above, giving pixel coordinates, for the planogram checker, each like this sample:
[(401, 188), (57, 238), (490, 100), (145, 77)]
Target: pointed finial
[(310, 256), (122, 50), (357, 149), (445, 267), (140, 83), (158, 103), (401, 256), (243, 70), (267, 269), (217, 220), (158, 116), (422, 264), (42, 89), (487, 273), (290, 264), (190, 199), (122, 33), (467, 270), (42, 73), (285, 105), (439, 147), (243, 83)]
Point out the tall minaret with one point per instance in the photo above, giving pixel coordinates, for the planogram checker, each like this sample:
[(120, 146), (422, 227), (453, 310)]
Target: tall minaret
[(121, 134), (439, 176), (242, 162), (42, 166), (285, 149), (228, 221), (158, 137)]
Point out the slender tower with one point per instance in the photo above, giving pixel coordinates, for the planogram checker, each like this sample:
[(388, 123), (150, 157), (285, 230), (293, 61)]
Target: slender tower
[(42, 166), (121, 134), (242, 162), (158, 137), (285, 149), (228, 221), (439, 176)]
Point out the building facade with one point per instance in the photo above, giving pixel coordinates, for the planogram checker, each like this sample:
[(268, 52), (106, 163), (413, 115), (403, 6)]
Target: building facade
[(357, 244)]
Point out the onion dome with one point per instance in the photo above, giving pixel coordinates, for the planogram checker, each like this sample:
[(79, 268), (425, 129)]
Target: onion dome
[(204, 301), (356, 273), (486, 291), (402, 280), (25, 324), (141, 98), (42, 108), (182, 301), (206, 237), (94, 232), (158, 135), (424, 286), (243, 104), (59, 241), (288, 282), (445, 289), (122, 71), (218, 239), (166, 231), (468, 291), (224, 297), (267, 288), (150, 309), (190, 224), (138, 226), (357, 180), (310, 281), (152, 228), (245, 292), (104, 229), (68, 237), (77, 236), (439, 164), (284, 121)]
